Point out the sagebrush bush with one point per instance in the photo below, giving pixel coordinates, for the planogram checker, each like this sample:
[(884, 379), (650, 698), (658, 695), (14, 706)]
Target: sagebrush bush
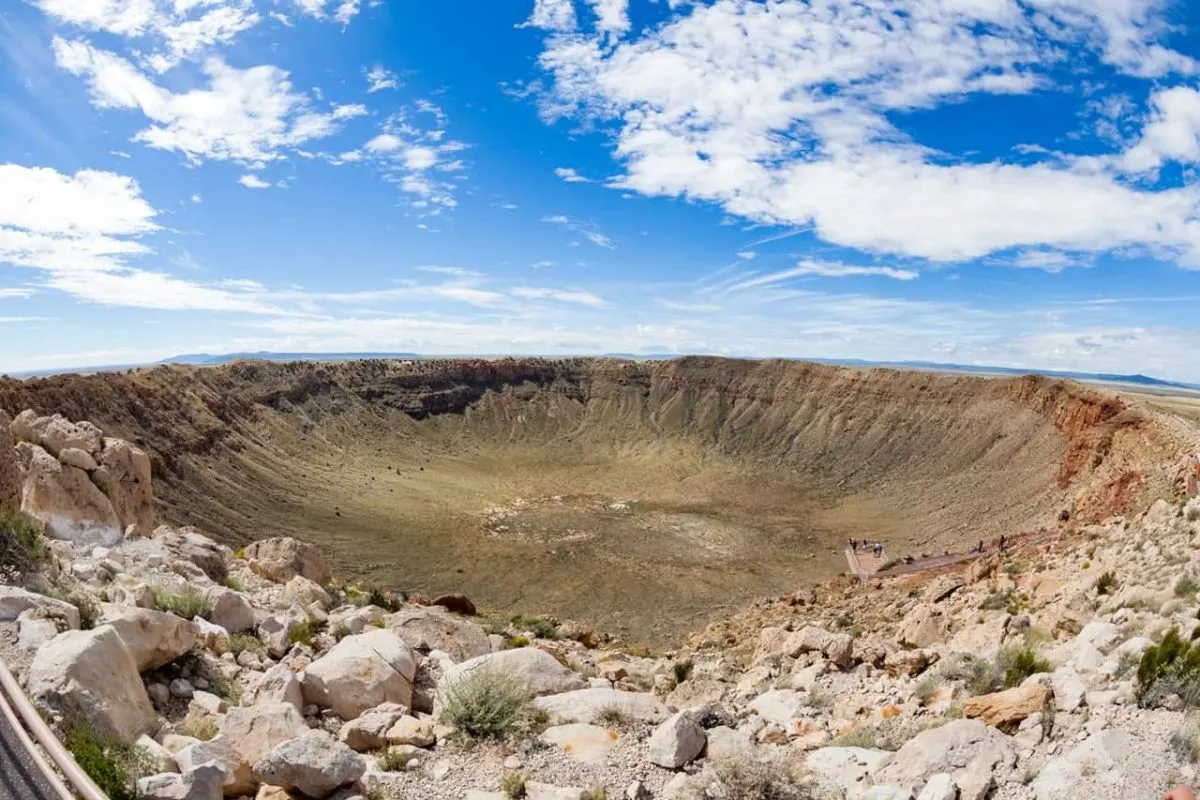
[(1186, 586), (1011, 666), (301, 633), (114, 767), (540, 628), (393, 760), (240, 642), (22, 546), (1169, 667), (512, 784), (1185, 742), (1106, 583), (189, 603), (1018, 663), (683, 669), (746, 777), (485, 704), (926, 689)]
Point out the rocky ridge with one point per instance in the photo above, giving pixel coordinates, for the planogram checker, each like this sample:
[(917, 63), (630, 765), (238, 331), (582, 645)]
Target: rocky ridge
[(255, 674)]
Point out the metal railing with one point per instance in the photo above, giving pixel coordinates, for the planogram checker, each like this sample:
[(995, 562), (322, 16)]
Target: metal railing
[(14, 703)]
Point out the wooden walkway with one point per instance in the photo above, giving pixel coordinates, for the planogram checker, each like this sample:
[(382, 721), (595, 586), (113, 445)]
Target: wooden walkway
[(864, 565)]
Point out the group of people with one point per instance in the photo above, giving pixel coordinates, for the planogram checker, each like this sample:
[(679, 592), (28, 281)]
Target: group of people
[(980, 547), (875, 548)]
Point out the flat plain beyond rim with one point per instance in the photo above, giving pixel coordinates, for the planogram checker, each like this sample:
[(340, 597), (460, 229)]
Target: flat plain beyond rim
[(645, 499)]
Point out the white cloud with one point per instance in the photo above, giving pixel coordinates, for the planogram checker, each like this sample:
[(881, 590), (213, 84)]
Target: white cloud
[(782, 113), (542, 264), (509, 206), (1048, 260), (578, 297), (695, 308), (248, 115), (317, 9), (81, 230), (197, 199), (185, 28), (746, 255), (379, 79), (552, 15), (21, 293), (612, 15), (453, 272), (253, 182), (569, 175), (1171, 134), (585, 230), (822, 269), (384, 143)]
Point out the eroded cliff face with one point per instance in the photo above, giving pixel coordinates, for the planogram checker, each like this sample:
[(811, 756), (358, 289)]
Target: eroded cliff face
[(745, 476)]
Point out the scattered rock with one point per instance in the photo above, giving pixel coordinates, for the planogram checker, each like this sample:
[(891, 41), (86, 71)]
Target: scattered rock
[(677, 741), (908, 663), (360, 672), (91, 675), (314, 764), (1011, 705), (154, 638), (201, 783), (190, 545), (369, 731), (231, 610), (283, 558), (410, 730), (14, 601), (436, 629)]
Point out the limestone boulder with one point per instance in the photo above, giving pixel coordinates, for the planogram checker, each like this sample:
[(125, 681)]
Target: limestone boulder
[(201, 783), (588, 705), (153, 638), (15, 601), (278, 684), (677, 741), (427, 629), (922, 627), (942, 587), (74, 457), (1011, 705), (211, 636), (369, 730), (303, 592), (939, 787), (283, 558), (1069, 691), (411, 731), (536, 669), (232, 610), (1101, 758), (908, 663), (360, 672), (315, 764), (56, 433), (128, 477), (950, 749), (780, 706), (188, 544), (255, 731), (72, 507), (844, 769), (238, 778), (91, 675), (837, 647)]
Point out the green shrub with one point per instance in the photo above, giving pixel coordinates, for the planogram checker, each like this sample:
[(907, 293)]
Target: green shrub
[(747, 777), (1186, 586), (613, 716), (233, 583), (1185, 742), (106, 763), (996, 601), (1106, 583), (1018, 663), (594, 793), (202, 728), (513, 642), (301, 632), (484, 704), (340, 631), (189, 603), (393, 760), (683, 669), (540, 628), (512, 784), (22, 546), (89, 612), (890, 734), (1170, 667), (240, 642), (926, 689)]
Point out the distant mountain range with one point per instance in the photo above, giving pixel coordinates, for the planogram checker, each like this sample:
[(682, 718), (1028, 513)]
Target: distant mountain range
[(208, 359), (211, 359)]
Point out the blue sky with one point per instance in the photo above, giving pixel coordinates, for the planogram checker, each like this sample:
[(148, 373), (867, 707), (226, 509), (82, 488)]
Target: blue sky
[(1008, 182)]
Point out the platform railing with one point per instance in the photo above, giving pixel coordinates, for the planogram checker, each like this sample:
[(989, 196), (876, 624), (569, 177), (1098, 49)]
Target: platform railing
[(24, 719)]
